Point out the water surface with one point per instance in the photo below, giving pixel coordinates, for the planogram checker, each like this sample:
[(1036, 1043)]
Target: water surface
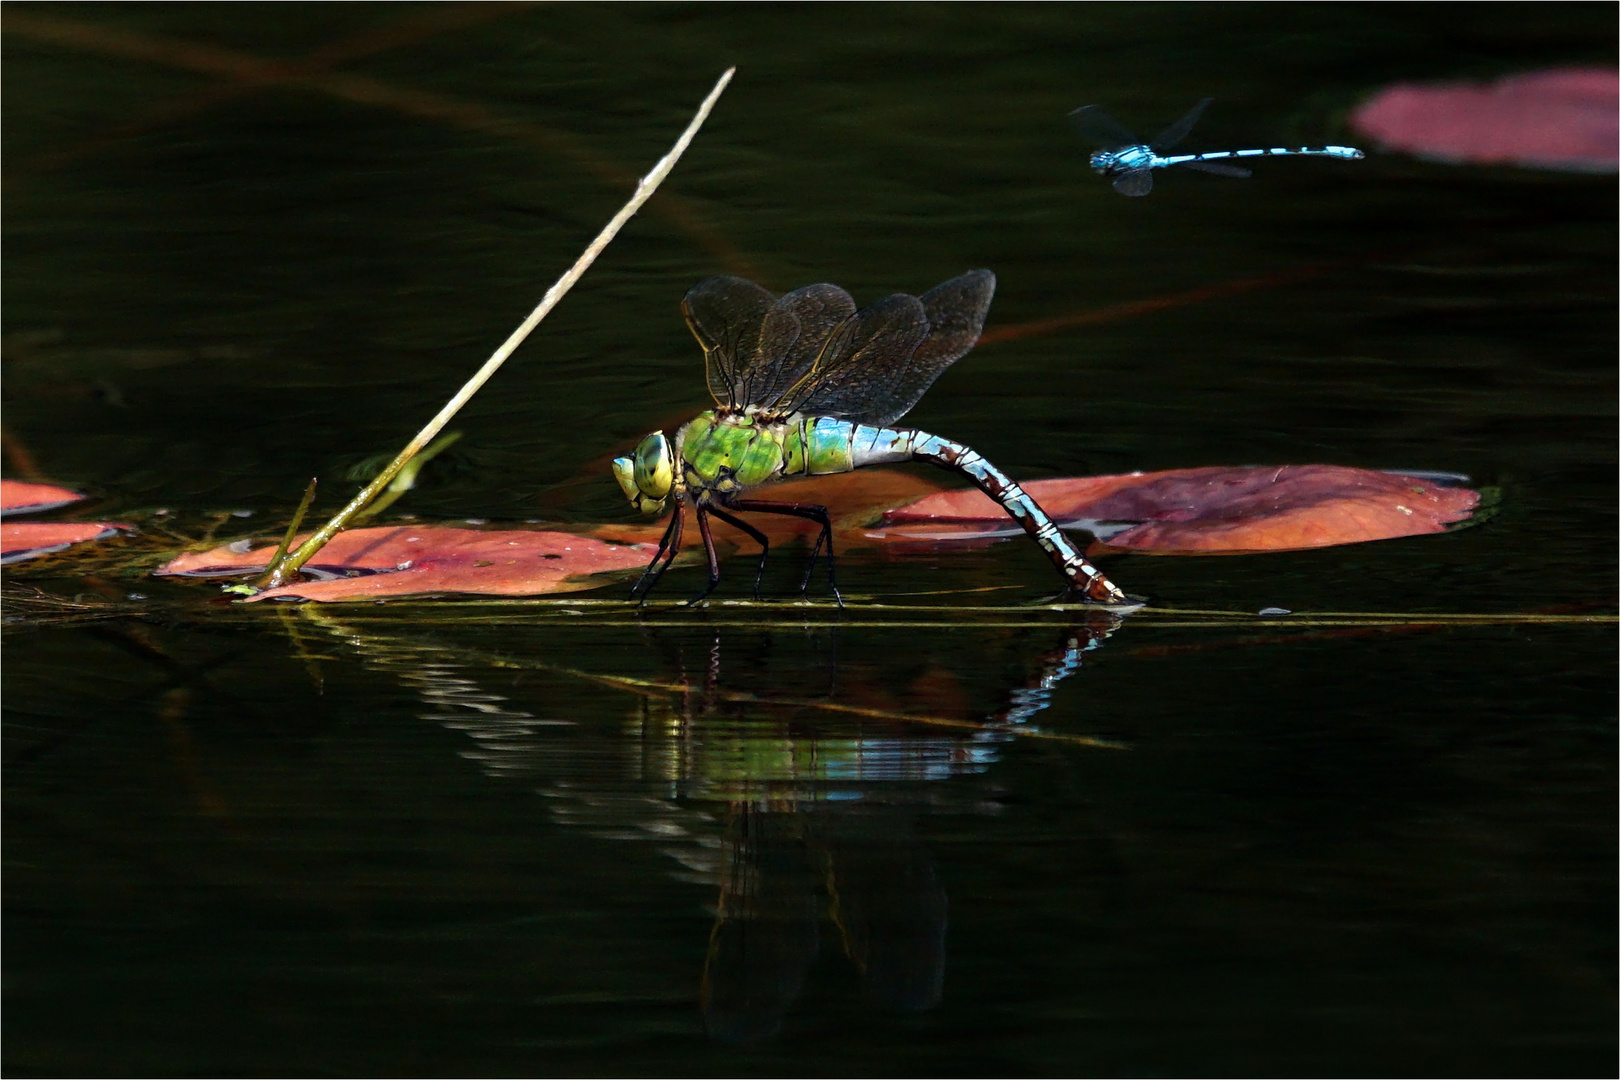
[(476, 839)]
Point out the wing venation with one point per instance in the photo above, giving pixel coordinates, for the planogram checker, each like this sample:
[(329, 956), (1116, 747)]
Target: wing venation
[(726, 315), (810, 351)]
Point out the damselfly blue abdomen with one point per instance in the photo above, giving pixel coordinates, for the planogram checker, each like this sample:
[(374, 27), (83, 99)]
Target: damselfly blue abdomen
[(1130, 162)]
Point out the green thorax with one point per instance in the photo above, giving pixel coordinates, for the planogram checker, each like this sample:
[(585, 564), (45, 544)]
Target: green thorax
[(726, 453)]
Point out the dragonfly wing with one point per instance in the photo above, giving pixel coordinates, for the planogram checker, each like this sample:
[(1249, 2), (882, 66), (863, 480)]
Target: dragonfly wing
[(955, 311), (1135, 182), (861, 360), (726, 315), (879, 362), (1217, 168), (1098, 127), (1177, 131), (791, 336)]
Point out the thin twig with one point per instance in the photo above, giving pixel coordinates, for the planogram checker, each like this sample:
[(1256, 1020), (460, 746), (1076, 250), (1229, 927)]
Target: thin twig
[(280, 573)]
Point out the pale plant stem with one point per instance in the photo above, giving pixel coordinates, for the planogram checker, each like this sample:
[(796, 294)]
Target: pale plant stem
[(279, 573)]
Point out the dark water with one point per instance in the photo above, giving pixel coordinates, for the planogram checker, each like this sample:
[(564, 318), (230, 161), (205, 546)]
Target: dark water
[(478, 839)]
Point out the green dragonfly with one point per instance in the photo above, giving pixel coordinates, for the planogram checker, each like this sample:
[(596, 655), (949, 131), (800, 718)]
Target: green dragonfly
[(808, 386)]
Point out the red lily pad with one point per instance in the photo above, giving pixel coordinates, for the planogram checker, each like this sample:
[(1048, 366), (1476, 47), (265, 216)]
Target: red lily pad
[(1565, 118), (23, 497), (393, 561), (1208, 511), (854, 500), (21, 540)]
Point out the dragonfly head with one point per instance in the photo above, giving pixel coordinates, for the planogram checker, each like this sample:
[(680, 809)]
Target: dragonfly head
[(647, 477)]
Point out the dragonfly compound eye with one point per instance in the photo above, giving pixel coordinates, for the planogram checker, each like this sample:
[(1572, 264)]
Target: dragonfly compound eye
[(654, 466), (639, 483)]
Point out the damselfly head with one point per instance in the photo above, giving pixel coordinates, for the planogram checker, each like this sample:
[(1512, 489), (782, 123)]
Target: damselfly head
[(1101, 160), (647, 478)]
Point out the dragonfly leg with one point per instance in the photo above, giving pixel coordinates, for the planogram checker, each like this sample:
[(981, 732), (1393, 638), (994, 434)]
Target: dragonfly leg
[(668, 548), (708, 549), (759, 537), (815, 513)]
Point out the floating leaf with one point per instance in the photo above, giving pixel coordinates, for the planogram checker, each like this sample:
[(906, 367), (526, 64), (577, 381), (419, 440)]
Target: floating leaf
[(21, 540), (393, 561), (1206, 511), (854, 500), (23, 497), (1565, 118)]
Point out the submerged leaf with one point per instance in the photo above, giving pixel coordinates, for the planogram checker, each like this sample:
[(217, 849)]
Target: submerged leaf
[(394, 561), (24, 497), (1206, 511), (21, 540), (1565, 118)]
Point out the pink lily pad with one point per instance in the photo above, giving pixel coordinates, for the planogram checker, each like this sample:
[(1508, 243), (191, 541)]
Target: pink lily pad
[(24, 497), (21, 540), (854, 500), (392, 561), (1565, 118), (1208, 511)]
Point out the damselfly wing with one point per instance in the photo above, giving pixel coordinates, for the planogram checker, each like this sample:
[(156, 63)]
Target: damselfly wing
[(1129, 162)]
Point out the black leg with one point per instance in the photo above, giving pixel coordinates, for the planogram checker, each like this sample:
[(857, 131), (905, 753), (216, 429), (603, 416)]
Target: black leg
[(668, 548), (759, 537), (708, 549), (815, 513)]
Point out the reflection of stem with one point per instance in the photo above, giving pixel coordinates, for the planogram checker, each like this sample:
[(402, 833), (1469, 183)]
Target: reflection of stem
[(1373, 618), (172, 709), (623, 682), (280, 573), (312, 663)]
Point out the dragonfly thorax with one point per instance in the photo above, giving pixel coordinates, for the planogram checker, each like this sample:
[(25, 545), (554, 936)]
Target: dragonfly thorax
[(724, 452), (1124, 159)]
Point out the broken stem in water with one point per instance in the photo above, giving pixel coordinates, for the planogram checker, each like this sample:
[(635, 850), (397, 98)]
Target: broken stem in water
[(281, 571), (297, 520)]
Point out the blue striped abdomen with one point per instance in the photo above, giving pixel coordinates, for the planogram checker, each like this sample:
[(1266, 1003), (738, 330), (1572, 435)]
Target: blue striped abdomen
[(865, 445)]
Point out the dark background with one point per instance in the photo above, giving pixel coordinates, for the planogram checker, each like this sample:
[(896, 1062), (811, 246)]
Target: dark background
[(249, 244)]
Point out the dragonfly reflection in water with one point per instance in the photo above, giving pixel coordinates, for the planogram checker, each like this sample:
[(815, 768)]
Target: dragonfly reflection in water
[(820, 832), (1130, 162), (807, 386), (805, 823)]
